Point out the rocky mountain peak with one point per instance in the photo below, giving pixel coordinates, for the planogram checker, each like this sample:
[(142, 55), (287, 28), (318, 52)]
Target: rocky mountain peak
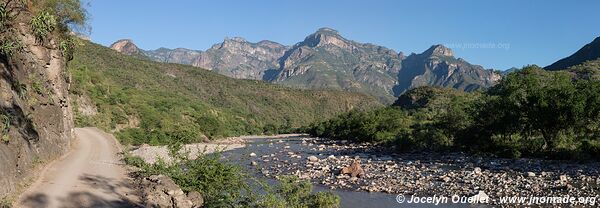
[(234, 42), (326, 30), (325, 59), (439, 50), (236, 39), (325, 36), (125, 46)]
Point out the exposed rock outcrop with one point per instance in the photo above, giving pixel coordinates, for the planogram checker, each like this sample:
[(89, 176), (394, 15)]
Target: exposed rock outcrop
[(325, 59), (35, 108), (438, 67), (178, 55), (161, 191), (354, 170), (126, 46), (241, 59)]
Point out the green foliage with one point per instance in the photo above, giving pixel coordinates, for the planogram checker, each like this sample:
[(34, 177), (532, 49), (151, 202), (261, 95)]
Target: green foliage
[(43, 24), (379, 125), (5, 203), (38, 87), (294, 193), (5, 122), (537, 112), (5, 16), (221, 183), (531, 112), (427, 119), (67, 47), (134, 161), (68, 15), (224, 184), (193, 105), (9, 45)]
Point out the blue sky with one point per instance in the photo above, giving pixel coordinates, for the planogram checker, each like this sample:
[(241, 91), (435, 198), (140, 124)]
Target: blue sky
[(494, 34)]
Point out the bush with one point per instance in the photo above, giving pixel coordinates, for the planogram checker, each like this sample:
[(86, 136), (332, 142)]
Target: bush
[(224, 184), (5, 203), (134, 161), (195, 105), (8, 46), (43, 24), (531, 112), (590, 148), (292, 192), (381, 125), (67, 47), (220, 183)]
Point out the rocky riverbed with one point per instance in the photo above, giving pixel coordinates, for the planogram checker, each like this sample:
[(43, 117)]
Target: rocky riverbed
[(421, 174)]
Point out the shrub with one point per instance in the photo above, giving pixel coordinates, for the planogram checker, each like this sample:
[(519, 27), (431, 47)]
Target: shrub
[(5, 122), (531, 112), (224, 184), (134, 161), (5, 203), (43, 24), (67, 47), (195, 104), (8, 46), (67, 12), (292, 192), (221, 183), (590, 148)]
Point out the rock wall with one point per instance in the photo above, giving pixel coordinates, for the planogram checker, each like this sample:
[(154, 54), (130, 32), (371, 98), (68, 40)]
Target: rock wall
[(35, 113)]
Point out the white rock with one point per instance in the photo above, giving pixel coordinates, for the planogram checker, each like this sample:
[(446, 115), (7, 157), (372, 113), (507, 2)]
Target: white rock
[(312, 159), (477, 170), (253, 154), (530, 174), (481, 197), (563, 178)]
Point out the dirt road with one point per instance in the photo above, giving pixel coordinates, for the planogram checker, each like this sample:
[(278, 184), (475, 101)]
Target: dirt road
[(91, 175)]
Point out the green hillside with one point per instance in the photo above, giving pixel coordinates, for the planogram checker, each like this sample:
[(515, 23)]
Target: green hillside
[(150, 102)]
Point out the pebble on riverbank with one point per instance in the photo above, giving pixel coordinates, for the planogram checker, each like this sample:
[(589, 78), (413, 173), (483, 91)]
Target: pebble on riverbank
[(425, 174)]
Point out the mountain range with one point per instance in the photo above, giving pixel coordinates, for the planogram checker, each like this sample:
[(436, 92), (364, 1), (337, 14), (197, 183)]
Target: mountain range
[(325, 59), (589, 52)]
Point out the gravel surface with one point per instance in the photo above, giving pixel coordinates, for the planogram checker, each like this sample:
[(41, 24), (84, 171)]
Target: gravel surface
[(426, 174)]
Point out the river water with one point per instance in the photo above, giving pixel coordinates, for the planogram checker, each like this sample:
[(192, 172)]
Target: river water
[(349, 198)]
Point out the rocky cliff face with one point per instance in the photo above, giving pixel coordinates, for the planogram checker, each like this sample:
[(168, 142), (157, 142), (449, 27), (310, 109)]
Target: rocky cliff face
[(241, 59), (35, 112), (325, 59), (437, 66), (126, 46), (178, 55)]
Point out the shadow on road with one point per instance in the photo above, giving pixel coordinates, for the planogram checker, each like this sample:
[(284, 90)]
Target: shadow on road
[(100, 186)]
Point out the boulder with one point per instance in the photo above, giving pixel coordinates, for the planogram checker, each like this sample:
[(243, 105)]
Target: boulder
[(355, 170), (563, 178), (196, 198), (477, 171), (161, 191)]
